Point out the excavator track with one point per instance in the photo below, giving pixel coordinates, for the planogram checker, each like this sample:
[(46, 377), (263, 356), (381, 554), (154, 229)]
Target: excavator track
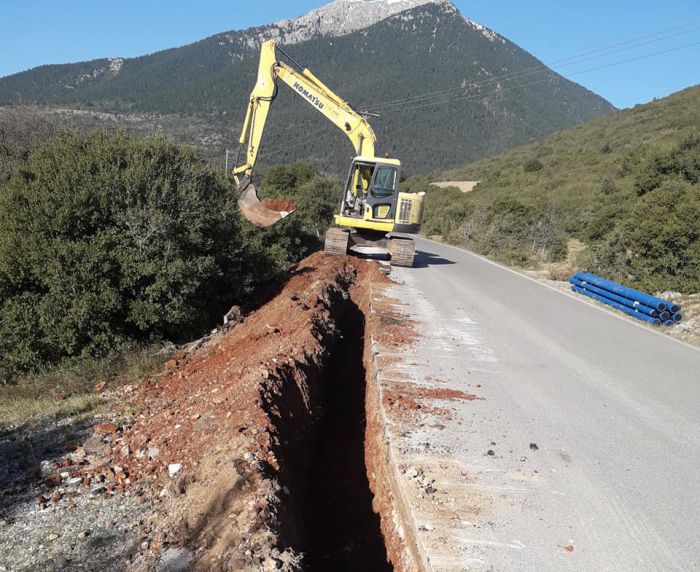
[(402, 251), (336, 242)]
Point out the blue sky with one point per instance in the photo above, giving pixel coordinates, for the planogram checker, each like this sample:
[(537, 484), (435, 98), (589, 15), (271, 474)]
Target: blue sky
[(35, 32)]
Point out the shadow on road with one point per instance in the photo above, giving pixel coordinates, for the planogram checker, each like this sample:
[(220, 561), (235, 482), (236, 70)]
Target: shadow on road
[(426, 259)]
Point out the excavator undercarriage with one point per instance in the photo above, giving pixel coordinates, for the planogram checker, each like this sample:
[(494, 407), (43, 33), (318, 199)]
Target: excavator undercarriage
[(341, 241)]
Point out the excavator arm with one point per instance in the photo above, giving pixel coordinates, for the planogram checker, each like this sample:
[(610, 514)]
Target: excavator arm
[(271, 70)]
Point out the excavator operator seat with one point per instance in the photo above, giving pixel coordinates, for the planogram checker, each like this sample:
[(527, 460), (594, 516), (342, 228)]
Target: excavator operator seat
[(372, 189)]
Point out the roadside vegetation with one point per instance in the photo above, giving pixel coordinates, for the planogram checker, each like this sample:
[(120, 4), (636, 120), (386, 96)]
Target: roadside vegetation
[(625, 187), (113, 247)]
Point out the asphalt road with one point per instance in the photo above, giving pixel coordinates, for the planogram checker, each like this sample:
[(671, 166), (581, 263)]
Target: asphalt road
[(585, 450)]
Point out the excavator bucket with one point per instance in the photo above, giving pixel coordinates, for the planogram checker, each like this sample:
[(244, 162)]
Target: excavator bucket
[(265, 213)]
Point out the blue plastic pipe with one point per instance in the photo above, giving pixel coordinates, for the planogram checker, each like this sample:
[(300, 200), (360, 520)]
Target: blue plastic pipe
[(617, 306), (677, 317), (669, 323), (673, 307), (624, 291), (615, 298)]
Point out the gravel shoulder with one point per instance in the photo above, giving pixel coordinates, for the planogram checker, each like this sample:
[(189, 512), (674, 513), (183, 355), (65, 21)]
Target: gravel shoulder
[(51, 518)]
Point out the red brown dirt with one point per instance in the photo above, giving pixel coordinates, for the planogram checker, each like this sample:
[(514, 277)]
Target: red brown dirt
[(234, 415), (279, 205), (219, 442)]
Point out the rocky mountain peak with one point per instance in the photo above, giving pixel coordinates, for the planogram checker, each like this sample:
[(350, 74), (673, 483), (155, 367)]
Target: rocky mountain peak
[(344, 17)]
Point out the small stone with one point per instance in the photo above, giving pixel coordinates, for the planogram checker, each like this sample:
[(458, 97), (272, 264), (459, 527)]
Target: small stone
[(490, 452), (56, 496), (248, 552), (233, 315), (175, 560), (153, 452), (84, 534), (65, 474), (99, 387), (106, 428), (75, 481), (411, 472), (41, 500), (534, 446), (174, 469), (52, 537)]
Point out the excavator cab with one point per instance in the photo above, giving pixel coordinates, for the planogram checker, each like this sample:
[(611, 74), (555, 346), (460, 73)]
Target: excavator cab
[(372, 199), (371, 188), (373, 209)]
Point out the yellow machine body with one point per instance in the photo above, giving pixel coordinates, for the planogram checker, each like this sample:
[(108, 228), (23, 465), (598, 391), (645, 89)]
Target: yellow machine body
[(372, 204)]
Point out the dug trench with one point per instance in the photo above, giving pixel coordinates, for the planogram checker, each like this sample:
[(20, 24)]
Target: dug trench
[(325, 467), (262, 449)]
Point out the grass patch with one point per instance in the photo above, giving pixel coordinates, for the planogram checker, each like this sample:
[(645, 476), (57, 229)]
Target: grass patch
[(70, 390)]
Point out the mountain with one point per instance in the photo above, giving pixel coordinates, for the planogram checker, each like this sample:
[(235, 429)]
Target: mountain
[(625, 188), (370, 53)]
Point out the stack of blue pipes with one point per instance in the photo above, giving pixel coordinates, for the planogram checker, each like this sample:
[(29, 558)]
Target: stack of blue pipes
[(638, 304)]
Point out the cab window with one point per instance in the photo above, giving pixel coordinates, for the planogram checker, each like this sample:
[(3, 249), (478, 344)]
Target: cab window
[(384, 182)]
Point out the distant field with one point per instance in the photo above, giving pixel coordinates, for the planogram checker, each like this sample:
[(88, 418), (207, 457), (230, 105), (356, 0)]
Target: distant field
[(464, 186)]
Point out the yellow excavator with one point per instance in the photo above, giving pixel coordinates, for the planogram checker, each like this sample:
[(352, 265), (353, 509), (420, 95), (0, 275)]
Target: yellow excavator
[(372, 208)]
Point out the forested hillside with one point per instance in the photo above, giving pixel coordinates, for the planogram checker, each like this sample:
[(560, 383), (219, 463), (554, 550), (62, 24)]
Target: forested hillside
[(627, 186), (428, 48)]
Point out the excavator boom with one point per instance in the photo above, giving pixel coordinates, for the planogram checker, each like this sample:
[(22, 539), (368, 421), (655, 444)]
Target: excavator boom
[(372, 208), (312, 90)]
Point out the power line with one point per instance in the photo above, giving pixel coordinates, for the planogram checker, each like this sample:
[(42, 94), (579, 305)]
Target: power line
[(480, 95), (541, 68), (423, 100)]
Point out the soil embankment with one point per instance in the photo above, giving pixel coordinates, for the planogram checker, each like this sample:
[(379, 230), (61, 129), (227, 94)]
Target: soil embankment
[(253, 449), (263, 428)]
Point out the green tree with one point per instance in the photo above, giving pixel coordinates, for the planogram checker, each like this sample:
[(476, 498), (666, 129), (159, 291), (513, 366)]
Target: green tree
[(657, 245), (107, 241)]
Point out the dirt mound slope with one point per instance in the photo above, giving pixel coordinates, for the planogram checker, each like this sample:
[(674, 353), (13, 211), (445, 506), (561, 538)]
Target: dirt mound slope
[(220, 442)]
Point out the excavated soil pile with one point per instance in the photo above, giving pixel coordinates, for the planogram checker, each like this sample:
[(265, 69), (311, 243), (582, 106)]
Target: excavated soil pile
[(253, 445), (279, 205)]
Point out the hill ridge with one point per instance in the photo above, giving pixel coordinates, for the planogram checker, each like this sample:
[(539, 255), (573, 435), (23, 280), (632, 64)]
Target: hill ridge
[(403, 55)]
